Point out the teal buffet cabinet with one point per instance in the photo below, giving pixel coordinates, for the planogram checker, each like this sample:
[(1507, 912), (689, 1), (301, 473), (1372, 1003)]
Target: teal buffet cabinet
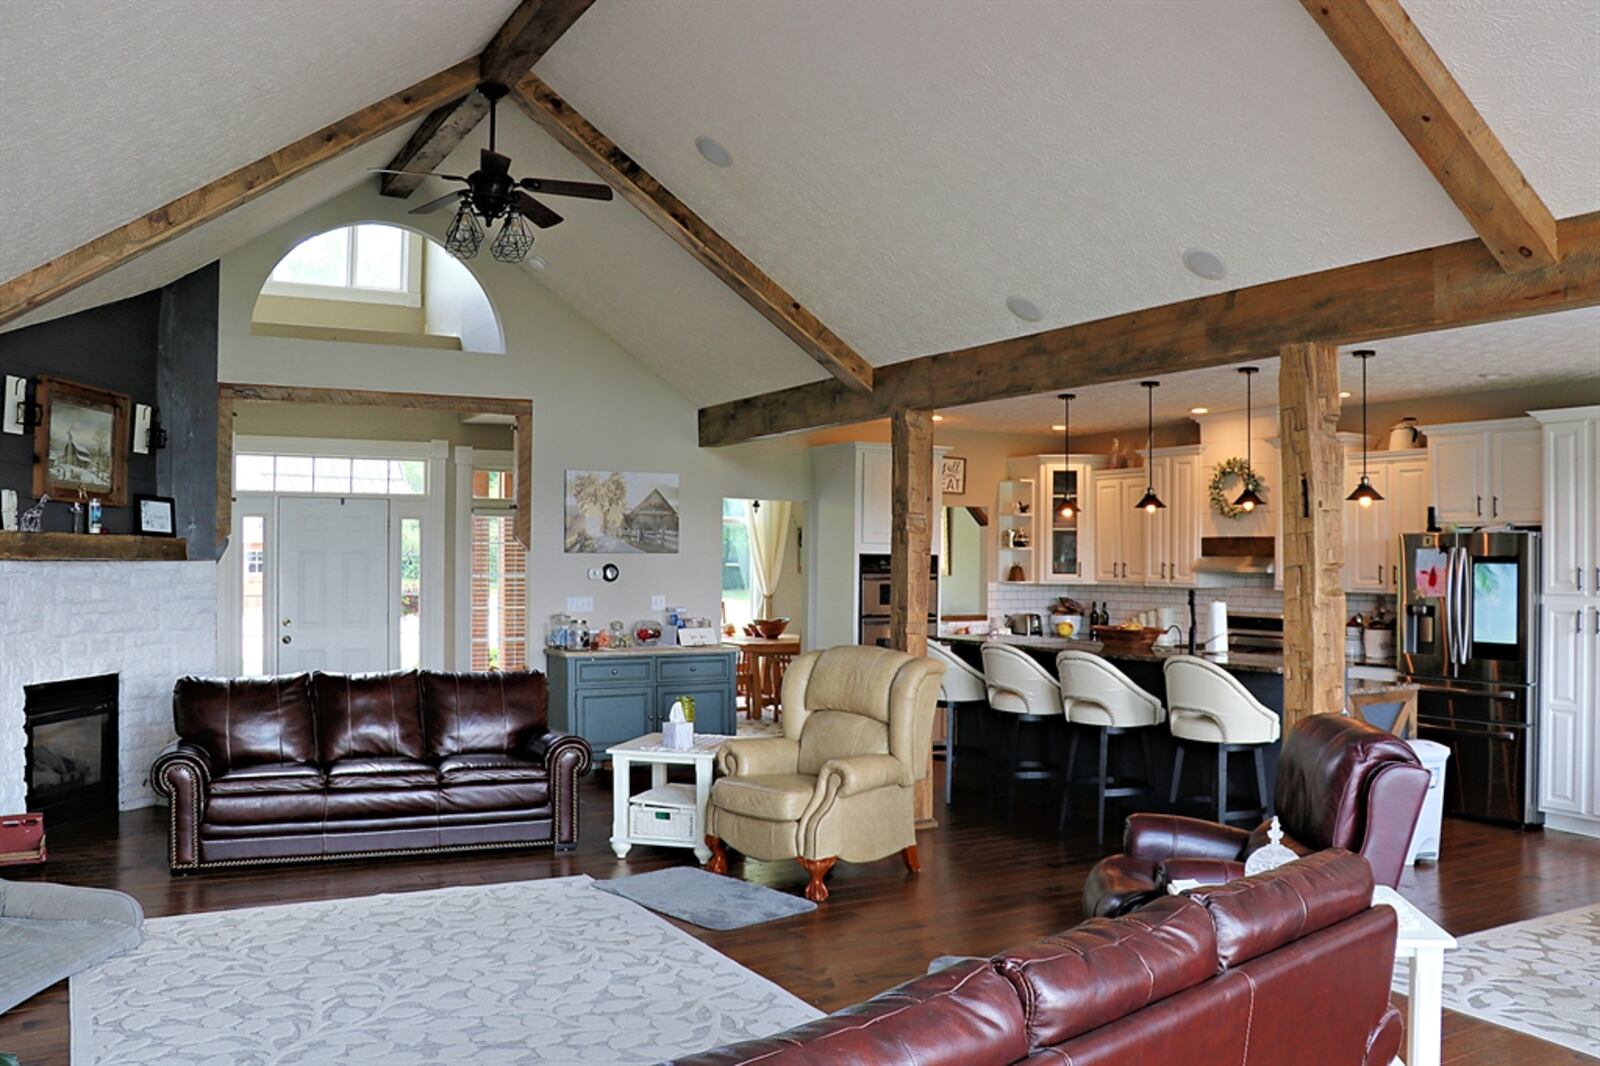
[(607, 697)]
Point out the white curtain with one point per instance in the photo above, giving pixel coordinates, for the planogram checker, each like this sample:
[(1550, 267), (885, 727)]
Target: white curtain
[(769, 539)]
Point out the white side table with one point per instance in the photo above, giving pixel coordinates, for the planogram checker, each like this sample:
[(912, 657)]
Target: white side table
[(1422, 944), (648, 750)]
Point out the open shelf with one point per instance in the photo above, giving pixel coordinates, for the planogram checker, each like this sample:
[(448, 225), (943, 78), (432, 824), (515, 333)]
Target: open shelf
[(43, 547)]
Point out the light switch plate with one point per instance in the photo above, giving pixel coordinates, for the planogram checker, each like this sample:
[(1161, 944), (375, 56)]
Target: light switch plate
[(580, 603), (16, 392), (658, 603)]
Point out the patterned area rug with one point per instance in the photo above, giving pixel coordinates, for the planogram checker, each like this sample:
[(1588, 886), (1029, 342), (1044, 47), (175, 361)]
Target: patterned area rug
[(765, 726), (529, 972), (1540, 977)]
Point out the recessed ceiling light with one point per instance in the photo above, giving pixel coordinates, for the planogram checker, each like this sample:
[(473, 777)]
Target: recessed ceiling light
[(713, 152), (1059, 427), (1024, 308), (938, 418), (535, 262), (1205, 264), (1344, 394), (1199, 410)]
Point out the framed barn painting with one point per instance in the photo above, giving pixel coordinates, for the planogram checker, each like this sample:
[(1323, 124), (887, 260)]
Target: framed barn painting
[(610, 512), (81, 442)]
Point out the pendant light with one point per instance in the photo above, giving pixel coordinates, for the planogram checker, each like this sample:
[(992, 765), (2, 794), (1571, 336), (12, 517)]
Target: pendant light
[(1150, 503), (1069, 503), (1248, 500), (1364, 493)]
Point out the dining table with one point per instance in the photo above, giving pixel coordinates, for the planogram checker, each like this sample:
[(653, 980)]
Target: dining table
[(767, 657)]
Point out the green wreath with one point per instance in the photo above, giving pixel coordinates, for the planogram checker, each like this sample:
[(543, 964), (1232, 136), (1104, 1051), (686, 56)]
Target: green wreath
[(1225, 473)]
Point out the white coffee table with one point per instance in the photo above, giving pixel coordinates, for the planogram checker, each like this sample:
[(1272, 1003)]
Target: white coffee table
[(1421, 944), (649, 751)]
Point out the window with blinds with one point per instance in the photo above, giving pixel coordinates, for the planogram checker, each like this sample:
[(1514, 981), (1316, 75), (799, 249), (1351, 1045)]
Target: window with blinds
[(499, 577)]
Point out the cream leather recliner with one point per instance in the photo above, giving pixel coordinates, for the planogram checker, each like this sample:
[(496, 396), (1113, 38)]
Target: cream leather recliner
[(857, 725)]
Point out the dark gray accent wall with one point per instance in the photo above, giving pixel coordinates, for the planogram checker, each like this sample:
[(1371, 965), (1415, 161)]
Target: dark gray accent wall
[(186, 390), (158, 348)]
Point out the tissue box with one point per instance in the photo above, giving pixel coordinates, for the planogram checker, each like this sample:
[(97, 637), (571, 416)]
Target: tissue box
[(678, 736)]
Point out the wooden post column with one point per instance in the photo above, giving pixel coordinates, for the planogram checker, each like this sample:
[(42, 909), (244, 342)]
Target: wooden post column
[(911, 553), (1312, 497)]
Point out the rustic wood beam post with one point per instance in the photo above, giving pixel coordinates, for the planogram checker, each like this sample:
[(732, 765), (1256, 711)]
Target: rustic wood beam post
[(911, 553), (1312, 495)]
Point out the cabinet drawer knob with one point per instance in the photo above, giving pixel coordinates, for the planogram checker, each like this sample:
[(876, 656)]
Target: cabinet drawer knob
[(613, 671), (693, 669)]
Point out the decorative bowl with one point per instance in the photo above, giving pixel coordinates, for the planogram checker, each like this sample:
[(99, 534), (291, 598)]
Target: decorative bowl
[(769, 628), (1117, 638)]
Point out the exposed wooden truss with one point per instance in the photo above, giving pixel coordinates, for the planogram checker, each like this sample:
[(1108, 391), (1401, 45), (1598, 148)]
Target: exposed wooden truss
[(229, 394), (46, 282), (1438, 288), (520, 43), (851, 372), (1410, 82)]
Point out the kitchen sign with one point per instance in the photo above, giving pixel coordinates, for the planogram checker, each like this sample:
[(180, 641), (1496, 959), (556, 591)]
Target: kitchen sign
[(953, 476)]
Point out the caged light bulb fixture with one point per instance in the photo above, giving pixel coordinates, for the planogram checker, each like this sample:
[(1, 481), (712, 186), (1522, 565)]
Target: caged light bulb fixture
[(465, 235), (1364, 493), (515, 240), (1069, 501), (1248, 500), (1150, 503)]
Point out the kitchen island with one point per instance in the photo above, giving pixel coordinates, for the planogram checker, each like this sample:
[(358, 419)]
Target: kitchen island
[(1261, 674)]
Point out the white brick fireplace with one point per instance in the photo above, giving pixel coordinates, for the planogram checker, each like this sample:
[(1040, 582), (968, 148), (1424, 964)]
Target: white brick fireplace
[(148, 622)]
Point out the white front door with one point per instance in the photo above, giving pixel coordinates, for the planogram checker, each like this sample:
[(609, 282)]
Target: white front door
[(333, 584)]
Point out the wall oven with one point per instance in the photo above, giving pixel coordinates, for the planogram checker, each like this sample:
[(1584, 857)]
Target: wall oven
[(1469, 639), (873, 624)]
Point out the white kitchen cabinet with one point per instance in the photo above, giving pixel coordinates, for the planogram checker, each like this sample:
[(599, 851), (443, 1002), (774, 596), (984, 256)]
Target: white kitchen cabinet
[(1487, 472), (1569, 680), (1063, 548), (1372, 534), (1173, 535), (1121, 531), (874, 507), (1566, 723)]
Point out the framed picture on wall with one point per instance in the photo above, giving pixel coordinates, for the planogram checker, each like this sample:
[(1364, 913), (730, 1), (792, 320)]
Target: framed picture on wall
[(81, 442), (154, 516), (953, 475)]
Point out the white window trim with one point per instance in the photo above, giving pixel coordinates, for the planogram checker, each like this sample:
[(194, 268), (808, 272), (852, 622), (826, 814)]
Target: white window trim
[(411, 267), (429, 506), (469, 459)]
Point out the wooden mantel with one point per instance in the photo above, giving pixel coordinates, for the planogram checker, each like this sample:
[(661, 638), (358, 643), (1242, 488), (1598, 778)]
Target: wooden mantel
[(47, 547)]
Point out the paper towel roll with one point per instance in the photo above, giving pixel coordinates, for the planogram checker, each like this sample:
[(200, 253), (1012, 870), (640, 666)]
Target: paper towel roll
[(1217, 632), (1170, 636)]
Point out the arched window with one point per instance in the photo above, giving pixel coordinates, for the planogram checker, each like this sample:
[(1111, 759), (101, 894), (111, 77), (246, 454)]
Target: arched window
[(372, 283)]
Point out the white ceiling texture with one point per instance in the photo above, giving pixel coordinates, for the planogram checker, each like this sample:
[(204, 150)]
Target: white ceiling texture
[(901, 166)]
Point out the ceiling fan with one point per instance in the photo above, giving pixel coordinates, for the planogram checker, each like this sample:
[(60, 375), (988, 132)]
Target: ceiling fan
[(492, 193)]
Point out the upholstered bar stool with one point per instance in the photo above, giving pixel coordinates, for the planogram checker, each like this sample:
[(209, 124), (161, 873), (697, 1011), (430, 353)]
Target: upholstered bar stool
[(1096, 695), (1025, 695), (1208, 705), (961, 684)]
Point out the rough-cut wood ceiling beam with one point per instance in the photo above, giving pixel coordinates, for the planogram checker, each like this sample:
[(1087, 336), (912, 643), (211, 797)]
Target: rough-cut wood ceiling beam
[(66, 272), (853, 374), (521, 42), (1452, 285), (1410, 82)]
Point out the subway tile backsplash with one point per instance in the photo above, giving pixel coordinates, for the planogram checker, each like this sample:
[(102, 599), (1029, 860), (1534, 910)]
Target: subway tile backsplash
[(1247, 592)]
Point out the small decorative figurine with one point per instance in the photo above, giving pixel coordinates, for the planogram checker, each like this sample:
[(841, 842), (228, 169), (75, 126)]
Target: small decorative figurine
[(1272, 856), (33, 518)]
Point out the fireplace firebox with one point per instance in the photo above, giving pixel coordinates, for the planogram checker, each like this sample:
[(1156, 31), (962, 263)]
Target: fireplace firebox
[(71, 753)]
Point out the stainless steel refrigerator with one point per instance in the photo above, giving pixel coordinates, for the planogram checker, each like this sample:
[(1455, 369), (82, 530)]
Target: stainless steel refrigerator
[(1469, 639)]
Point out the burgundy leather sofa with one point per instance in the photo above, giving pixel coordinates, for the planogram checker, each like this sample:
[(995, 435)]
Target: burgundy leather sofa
[(1292, 966), (1341, 784), (310, 766)]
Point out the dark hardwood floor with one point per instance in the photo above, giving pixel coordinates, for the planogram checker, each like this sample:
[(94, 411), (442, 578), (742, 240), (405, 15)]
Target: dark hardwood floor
[(986, 884)]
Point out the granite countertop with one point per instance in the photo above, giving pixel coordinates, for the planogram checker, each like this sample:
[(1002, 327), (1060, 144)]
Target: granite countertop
[(660, 649), (1241, 662)]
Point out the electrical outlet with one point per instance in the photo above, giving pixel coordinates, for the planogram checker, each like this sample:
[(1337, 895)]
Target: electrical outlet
[(658, 603), (580, 603)]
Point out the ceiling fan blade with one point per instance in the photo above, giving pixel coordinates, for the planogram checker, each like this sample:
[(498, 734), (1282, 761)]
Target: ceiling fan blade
[(493, 162), (434, 205), (537, 213), (416, 173), (588, 190)]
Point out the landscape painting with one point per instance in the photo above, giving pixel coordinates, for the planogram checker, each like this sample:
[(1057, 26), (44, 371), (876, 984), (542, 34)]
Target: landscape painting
[(81, 442), (610, 512)]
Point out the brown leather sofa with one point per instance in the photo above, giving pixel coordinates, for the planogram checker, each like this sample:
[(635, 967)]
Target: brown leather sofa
[(1292, 966), (1341, 784), (309, 766)]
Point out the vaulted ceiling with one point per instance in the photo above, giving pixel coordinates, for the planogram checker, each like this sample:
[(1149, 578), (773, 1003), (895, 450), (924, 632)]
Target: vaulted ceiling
[(901, 167)]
